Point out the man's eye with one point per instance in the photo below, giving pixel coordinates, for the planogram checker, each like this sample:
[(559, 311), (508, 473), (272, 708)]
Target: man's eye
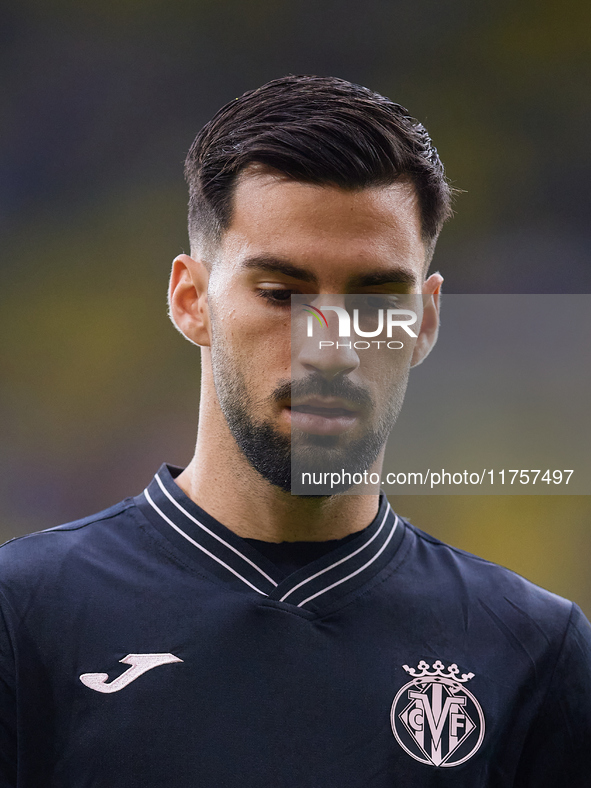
[(280, 297)]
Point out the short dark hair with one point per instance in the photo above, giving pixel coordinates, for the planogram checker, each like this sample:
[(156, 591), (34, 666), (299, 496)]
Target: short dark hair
[(318, 130)]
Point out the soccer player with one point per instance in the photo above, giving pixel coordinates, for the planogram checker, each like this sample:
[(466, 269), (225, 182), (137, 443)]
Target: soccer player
[(217, 630)]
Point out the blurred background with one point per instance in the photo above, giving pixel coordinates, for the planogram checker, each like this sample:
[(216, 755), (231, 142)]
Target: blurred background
[(99, 103)]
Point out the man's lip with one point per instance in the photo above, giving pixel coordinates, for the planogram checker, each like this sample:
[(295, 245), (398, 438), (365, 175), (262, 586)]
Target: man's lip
[(322, 415), (321, 421), (324, 404)]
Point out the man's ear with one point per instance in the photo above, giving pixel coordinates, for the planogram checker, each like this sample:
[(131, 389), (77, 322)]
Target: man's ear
[(430, 323), (187, 300)]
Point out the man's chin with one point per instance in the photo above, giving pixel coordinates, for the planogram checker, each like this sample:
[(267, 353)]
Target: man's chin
[(311, 445), (283, 459)]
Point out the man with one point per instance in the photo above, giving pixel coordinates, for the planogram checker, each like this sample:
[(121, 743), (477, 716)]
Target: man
[(217, 630)]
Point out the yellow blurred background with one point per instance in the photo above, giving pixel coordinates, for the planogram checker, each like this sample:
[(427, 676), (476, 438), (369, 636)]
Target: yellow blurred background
[(99, 103)]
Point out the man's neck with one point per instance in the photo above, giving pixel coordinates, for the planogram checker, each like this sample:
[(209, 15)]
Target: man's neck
[(238, 497), (221, 481), (266, 513)]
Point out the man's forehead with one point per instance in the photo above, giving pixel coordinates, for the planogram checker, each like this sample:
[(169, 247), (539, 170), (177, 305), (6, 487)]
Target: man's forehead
[(278, 223), (259, 186)]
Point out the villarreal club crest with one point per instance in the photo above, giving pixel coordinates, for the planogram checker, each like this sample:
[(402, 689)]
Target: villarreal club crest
[(435, 718)]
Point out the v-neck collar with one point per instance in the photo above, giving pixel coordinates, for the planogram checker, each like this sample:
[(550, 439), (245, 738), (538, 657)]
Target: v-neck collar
[(230, 558)]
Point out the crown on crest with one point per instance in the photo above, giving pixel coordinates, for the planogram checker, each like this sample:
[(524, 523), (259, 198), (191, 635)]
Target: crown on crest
[(438, 670)]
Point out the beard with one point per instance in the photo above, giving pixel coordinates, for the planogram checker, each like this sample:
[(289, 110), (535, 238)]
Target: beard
[(281, 459)]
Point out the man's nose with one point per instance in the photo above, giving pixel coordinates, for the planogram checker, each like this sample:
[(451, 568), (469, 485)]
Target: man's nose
[(327, 353)]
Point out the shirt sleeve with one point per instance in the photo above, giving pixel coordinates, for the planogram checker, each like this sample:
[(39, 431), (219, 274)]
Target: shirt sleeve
[(558, 748), (7, 707)]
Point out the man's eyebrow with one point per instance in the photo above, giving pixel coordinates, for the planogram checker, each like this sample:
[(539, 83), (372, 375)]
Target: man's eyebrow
[(277, 265), (272, 264), (391, 276)]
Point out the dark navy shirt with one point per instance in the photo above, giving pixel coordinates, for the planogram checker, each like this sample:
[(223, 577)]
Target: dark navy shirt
[(149, 646), (288, 557)]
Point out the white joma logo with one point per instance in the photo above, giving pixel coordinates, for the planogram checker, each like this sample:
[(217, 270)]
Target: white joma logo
[(140, 663)]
